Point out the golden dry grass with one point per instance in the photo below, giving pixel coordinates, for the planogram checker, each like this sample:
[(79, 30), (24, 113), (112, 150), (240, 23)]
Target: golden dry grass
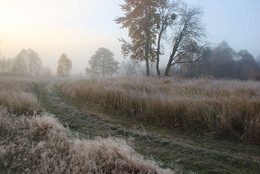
[(220, 108)]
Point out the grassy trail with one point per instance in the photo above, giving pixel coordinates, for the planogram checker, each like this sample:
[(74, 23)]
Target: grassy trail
[(183, 153)]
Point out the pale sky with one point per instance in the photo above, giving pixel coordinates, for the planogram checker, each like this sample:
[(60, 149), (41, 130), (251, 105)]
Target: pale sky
[(80, 27)]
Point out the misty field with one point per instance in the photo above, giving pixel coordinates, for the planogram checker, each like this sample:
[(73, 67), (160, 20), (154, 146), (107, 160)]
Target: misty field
[(129, 125), (223, 109), (35, 142)]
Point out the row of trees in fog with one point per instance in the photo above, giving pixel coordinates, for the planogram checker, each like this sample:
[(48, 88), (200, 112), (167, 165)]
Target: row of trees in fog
[(154, 25), (153, 22), (26, 63), (223, 62), (219, 62)]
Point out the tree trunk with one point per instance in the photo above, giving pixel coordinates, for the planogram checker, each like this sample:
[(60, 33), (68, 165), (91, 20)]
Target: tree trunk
[(147, 40), (172, 56), (147, 68), (167, 70), (158, 55)]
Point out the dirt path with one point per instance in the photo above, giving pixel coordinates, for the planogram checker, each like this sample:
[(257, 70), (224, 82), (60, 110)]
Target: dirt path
[(183, 153)]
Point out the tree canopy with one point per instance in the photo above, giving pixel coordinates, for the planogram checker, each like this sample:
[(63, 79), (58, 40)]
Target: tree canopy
[(141, 19)]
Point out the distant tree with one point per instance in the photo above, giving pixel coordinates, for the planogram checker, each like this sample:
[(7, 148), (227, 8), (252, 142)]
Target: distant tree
[(64, 66), (131, 68), (248, 68), (102, 63), (199, 68), (6, 65), (34, 63), (222, 61), (141, 19), (9, 65), (3, 65), (20, 65), (258, 60)]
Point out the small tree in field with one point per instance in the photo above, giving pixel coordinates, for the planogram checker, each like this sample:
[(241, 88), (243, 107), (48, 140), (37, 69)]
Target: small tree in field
[(64, 66), (102, 63)]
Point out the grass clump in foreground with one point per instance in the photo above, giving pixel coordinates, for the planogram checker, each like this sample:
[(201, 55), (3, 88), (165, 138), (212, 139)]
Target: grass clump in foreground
[(216, 108), (17, 94), (39, 144)]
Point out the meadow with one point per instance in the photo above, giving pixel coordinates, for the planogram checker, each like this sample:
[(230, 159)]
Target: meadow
[(129, 125), (221, 109), (32, 141)]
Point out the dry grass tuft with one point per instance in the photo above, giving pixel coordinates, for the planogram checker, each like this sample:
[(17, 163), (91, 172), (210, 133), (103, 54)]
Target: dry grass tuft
[(218, 108), (41, 145), (17, 95)]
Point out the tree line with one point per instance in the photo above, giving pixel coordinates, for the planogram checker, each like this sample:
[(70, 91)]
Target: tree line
[(153, 22), (26, 63), (222, 62), (154, 25)]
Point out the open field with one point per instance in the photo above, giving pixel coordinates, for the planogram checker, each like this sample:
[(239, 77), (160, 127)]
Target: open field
[(59, 125), (31, 143), (221, 109)]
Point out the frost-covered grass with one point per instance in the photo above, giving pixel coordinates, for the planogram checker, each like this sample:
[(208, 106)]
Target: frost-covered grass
[(34, 142), (39, 144), (17, 95), (226, 109)]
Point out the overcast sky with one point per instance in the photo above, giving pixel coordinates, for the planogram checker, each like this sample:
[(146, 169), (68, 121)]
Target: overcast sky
[(80, 27)]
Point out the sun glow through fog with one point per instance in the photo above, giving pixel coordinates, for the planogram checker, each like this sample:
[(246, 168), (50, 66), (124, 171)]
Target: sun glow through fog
[(80, 27), (77, 27)]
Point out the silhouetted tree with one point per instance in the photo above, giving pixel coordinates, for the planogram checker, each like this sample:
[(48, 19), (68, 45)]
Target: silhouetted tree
[(167, 16), (64, 66), (187, 33), (102, 63)]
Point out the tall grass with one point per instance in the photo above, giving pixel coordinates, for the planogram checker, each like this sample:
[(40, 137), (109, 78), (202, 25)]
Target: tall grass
[(218, 108), (17, 94), (31, 143), (35, 144)]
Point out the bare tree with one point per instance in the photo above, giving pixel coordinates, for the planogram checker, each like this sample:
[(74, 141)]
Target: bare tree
[(185, 38), (166, 11)]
